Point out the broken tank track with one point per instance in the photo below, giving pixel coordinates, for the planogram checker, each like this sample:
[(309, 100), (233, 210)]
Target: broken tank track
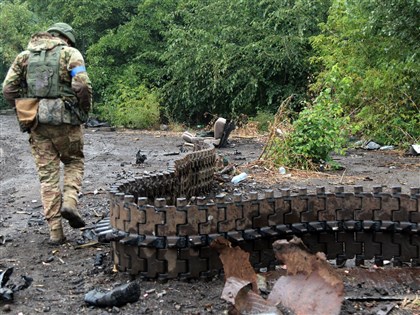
[(158, 235)]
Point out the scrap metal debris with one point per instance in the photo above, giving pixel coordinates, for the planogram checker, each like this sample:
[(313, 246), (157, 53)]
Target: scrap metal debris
[(306, 274), (99, 259), (230, 256), (140, 158), (387, 309), (94, 123), (6, 294), (4, 239), (119, 296), (414, 149), (310, 287), (89, 235), (171, 153), (86, 245), (376, 290), (248, 302), (7, 290)]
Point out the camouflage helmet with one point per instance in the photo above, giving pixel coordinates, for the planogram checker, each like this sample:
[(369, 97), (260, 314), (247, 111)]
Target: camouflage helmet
[(65, 30)]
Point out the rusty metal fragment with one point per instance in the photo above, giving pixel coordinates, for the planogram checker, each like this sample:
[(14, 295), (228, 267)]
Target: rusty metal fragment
[(298, 260), (241, 288), (249, 302), (311, 286), (235, 262)]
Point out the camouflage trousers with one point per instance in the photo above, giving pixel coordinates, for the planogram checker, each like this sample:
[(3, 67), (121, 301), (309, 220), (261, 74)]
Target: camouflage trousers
[(51, 145)]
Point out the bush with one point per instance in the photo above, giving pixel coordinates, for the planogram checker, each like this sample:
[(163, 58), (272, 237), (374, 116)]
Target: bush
[(319, 130), (371, 48), (131, 107), (263, 120)]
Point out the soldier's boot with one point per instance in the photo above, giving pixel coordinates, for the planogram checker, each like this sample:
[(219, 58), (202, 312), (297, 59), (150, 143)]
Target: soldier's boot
[(56, 233), (69, 212)]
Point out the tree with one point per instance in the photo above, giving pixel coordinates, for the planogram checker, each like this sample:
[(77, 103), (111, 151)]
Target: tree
[(132, 50), (17, 24), (228, 57), (374, 46), (91, 19), (127, 58)]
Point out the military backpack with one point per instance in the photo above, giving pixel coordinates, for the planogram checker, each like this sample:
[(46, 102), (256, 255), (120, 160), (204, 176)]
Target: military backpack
[(43, 81), (43, 73)]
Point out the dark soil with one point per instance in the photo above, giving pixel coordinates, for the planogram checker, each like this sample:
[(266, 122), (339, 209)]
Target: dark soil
[(62, 275)]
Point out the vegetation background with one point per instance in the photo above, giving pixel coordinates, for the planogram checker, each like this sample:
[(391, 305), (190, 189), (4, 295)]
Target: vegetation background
[(345, 67)]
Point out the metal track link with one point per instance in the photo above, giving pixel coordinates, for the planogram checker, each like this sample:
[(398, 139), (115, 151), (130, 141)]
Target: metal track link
[(155, 233)]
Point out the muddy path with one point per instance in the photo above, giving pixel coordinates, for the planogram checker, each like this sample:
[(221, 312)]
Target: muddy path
[(63, 275)]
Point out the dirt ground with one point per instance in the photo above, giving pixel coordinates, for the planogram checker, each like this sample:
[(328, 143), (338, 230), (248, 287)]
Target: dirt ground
[(63, 275)]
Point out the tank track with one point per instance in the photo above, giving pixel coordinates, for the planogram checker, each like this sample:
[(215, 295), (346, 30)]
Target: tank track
[(168, 236)]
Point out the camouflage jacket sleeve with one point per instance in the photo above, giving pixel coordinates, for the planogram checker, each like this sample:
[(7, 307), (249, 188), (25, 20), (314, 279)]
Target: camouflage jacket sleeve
[(14, 85), (80, 82)]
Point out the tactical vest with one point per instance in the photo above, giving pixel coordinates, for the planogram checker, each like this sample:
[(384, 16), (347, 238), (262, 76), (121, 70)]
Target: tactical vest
[(43, 77)]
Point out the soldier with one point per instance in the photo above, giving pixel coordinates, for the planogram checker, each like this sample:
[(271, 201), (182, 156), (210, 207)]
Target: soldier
[(52, 72)]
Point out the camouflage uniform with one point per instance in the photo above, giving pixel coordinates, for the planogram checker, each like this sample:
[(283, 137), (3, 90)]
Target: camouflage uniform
[(51, 144)]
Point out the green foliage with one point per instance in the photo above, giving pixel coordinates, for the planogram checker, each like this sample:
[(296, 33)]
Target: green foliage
[(91, 19), (17, 23), (320, 129), (136, 107), (131, 52), (263, 119), (229, 57), (374, 45)]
